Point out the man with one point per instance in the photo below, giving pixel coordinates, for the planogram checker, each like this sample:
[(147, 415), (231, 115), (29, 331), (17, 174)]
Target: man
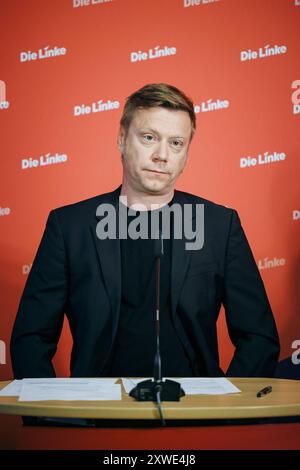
[(106, 285)]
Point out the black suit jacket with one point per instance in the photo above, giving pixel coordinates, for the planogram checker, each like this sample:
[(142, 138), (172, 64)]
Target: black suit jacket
[(76, 274)]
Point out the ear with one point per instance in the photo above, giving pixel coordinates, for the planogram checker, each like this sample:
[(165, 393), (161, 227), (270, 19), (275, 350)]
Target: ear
[(121, 139)]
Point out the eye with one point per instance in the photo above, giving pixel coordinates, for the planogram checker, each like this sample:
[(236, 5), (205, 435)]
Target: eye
[(177, 143), (148, 138)]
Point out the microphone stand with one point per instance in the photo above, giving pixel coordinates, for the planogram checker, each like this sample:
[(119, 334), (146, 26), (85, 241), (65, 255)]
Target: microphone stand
[(156, 389)]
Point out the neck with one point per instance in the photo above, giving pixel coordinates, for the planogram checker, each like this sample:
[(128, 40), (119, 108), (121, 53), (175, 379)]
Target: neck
[(136, 198)]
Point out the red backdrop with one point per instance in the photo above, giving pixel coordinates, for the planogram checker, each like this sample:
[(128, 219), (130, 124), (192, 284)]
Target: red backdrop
[(239, 62)]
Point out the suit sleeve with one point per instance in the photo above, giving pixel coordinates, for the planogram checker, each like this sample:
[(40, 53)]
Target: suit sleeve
[(40, 314), (249, 317)]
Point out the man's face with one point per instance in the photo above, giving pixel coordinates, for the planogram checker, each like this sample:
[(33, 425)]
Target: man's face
[(155, 149)]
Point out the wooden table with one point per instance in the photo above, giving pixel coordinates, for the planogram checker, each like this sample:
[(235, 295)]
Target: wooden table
[(201, 421), (284, 400)]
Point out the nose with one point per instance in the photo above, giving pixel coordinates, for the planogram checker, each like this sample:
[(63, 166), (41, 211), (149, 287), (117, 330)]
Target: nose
[(161, 152)]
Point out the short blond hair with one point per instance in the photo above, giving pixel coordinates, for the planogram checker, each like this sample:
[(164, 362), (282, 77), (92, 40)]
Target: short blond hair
[(157, 95)]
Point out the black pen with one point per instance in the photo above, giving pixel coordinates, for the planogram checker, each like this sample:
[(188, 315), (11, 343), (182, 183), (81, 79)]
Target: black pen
[(264, 391)]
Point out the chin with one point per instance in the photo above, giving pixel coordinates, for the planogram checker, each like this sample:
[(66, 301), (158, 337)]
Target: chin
[(154, 186)]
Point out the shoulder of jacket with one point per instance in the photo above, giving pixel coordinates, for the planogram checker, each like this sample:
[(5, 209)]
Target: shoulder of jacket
[(210, 206), (82, 209)]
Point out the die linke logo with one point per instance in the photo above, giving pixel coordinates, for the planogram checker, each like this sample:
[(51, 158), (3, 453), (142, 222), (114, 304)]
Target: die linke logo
[(296, 96), (211, 105), (296, 215), (86, 3), (194, 3), (4, 211), (267, 263), (26, 269), (43, 160), (262, 159), (96, 107), (263, 52), (2, 352), (4, 104), (156, 53), (43, 53)]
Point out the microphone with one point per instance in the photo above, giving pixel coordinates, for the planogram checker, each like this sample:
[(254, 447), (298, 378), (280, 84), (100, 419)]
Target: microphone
[(156, 389), (158, 253)]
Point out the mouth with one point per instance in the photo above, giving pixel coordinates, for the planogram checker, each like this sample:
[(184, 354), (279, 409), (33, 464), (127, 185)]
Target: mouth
[(157, 172)]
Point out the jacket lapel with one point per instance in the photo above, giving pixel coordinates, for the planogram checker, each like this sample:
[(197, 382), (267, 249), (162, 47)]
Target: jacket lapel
[(179, 266), (180, 259), (109, 254)]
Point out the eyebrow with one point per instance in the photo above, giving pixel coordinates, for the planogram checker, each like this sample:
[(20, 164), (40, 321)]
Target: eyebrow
[(149, 129)]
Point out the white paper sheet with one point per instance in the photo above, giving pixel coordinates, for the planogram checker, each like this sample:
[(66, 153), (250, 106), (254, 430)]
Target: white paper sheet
[(11, 390), (70, 392), (14, 388), (194, 385)]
